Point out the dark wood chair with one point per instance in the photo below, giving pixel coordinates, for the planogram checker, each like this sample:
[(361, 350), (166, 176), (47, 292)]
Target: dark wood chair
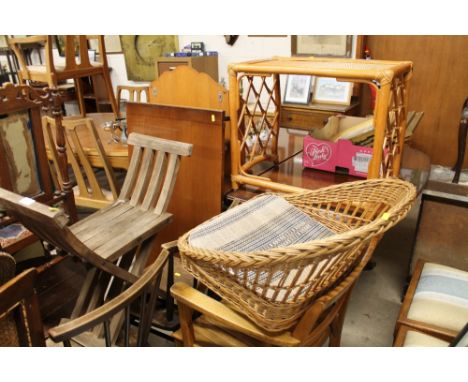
[(20, 319), (24, 166), (75, 66), (117, 240)]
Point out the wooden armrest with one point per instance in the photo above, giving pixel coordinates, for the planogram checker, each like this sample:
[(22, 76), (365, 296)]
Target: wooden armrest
[(196, 300), (430, 329), (76, 326), (27, 40)]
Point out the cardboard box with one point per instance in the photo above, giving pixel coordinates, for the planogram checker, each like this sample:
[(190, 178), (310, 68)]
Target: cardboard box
[(328, 156)]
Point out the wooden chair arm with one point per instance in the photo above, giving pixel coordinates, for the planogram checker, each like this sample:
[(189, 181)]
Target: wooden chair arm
[(28, 40), (430, 329), (200, 302), (76, 326)]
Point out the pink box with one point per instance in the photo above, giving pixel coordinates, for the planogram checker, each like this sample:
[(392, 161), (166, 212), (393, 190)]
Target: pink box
[(327, 156)]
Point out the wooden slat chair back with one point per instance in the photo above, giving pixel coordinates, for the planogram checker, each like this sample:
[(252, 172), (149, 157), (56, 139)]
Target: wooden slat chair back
[(117, 239), (89, 192), (75, 66), (135, 94)]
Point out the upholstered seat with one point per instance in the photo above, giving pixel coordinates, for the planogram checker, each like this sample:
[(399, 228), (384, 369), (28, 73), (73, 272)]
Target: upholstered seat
[(418, 339), (441, 297)]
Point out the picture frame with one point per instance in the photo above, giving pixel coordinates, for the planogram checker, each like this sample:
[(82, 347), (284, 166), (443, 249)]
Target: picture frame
[(322, 45), (297, 89), (330, 91)]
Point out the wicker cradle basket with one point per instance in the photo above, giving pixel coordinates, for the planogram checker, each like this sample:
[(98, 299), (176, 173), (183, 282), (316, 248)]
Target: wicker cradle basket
[(275, 287)]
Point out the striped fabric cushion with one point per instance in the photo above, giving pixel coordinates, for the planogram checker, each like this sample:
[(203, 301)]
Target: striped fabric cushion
[(263, 223), (441, 297)]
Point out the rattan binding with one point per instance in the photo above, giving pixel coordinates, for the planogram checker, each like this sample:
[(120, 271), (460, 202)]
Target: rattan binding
[(275, 287)]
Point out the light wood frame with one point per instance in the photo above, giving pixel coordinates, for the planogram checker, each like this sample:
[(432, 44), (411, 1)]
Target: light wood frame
[(261, 79), (346, 100)]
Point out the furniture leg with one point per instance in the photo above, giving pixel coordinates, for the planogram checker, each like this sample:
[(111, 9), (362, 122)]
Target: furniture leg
[(79, 94), (110, 92)]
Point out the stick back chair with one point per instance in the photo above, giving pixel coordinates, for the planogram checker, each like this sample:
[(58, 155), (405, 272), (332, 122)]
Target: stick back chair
[(117, 239), (88, 192), (135, 94), (75, 66), (275, 288)]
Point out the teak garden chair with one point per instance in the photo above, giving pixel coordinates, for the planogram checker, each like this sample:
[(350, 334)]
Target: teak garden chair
[(21, 325), (88, 192), (116, 240), (294, 295)]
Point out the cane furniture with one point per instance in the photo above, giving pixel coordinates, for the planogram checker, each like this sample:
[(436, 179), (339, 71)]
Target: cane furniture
[(116, 240), (274, 287), (255, 139), (89, 191), (435, 303), (75, 67), (24, 167)]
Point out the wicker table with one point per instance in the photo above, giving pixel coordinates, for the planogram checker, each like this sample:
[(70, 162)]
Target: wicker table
[(254, 89)]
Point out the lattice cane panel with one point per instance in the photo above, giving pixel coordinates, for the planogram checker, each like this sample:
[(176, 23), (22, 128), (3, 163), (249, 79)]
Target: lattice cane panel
[(395, 129), (258, 122)]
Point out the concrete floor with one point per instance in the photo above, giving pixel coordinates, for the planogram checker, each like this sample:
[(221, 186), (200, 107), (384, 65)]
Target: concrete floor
[(376, 299)]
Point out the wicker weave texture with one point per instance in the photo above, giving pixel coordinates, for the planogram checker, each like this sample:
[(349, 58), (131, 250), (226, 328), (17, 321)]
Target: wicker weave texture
[(273, 288)]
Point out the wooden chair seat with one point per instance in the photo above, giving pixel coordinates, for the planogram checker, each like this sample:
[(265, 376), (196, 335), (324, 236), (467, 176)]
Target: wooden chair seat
[(116, 228)]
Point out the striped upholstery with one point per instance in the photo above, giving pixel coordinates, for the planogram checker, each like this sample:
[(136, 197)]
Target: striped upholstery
[(259, 224), (441, 297), (417, 339)]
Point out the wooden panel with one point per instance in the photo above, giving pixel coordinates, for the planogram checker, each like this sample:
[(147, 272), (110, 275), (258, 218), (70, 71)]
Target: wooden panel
[(439, 87), (185, 86), (198, 190)]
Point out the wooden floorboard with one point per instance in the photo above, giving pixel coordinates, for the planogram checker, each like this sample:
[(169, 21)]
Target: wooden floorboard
[(57, 289)]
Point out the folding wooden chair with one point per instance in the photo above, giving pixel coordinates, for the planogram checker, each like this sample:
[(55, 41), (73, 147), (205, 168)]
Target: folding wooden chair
[(116, 240)]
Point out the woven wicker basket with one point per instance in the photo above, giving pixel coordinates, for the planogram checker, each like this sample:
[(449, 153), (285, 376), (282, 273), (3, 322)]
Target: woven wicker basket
[(274, 287)]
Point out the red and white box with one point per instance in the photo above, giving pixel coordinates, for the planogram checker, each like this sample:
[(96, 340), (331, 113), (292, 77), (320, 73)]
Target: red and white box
[(327, 156)]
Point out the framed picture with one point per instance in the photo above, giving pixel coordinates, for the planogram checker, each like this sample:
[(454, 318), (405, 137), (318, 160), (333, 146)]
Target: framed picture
[(331, 46), (297, 89), (329, 90)]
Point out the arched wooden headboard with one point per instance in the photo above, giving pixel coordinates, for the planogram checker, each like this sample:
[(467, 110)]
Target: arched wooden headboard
[(184, 86)]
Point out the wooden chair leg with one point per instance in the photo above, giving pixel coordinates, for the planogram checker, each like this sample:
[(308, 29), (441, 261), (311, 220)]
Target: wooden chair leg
[(186, 325), (110, 93), (80, 96), (336, 327)]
